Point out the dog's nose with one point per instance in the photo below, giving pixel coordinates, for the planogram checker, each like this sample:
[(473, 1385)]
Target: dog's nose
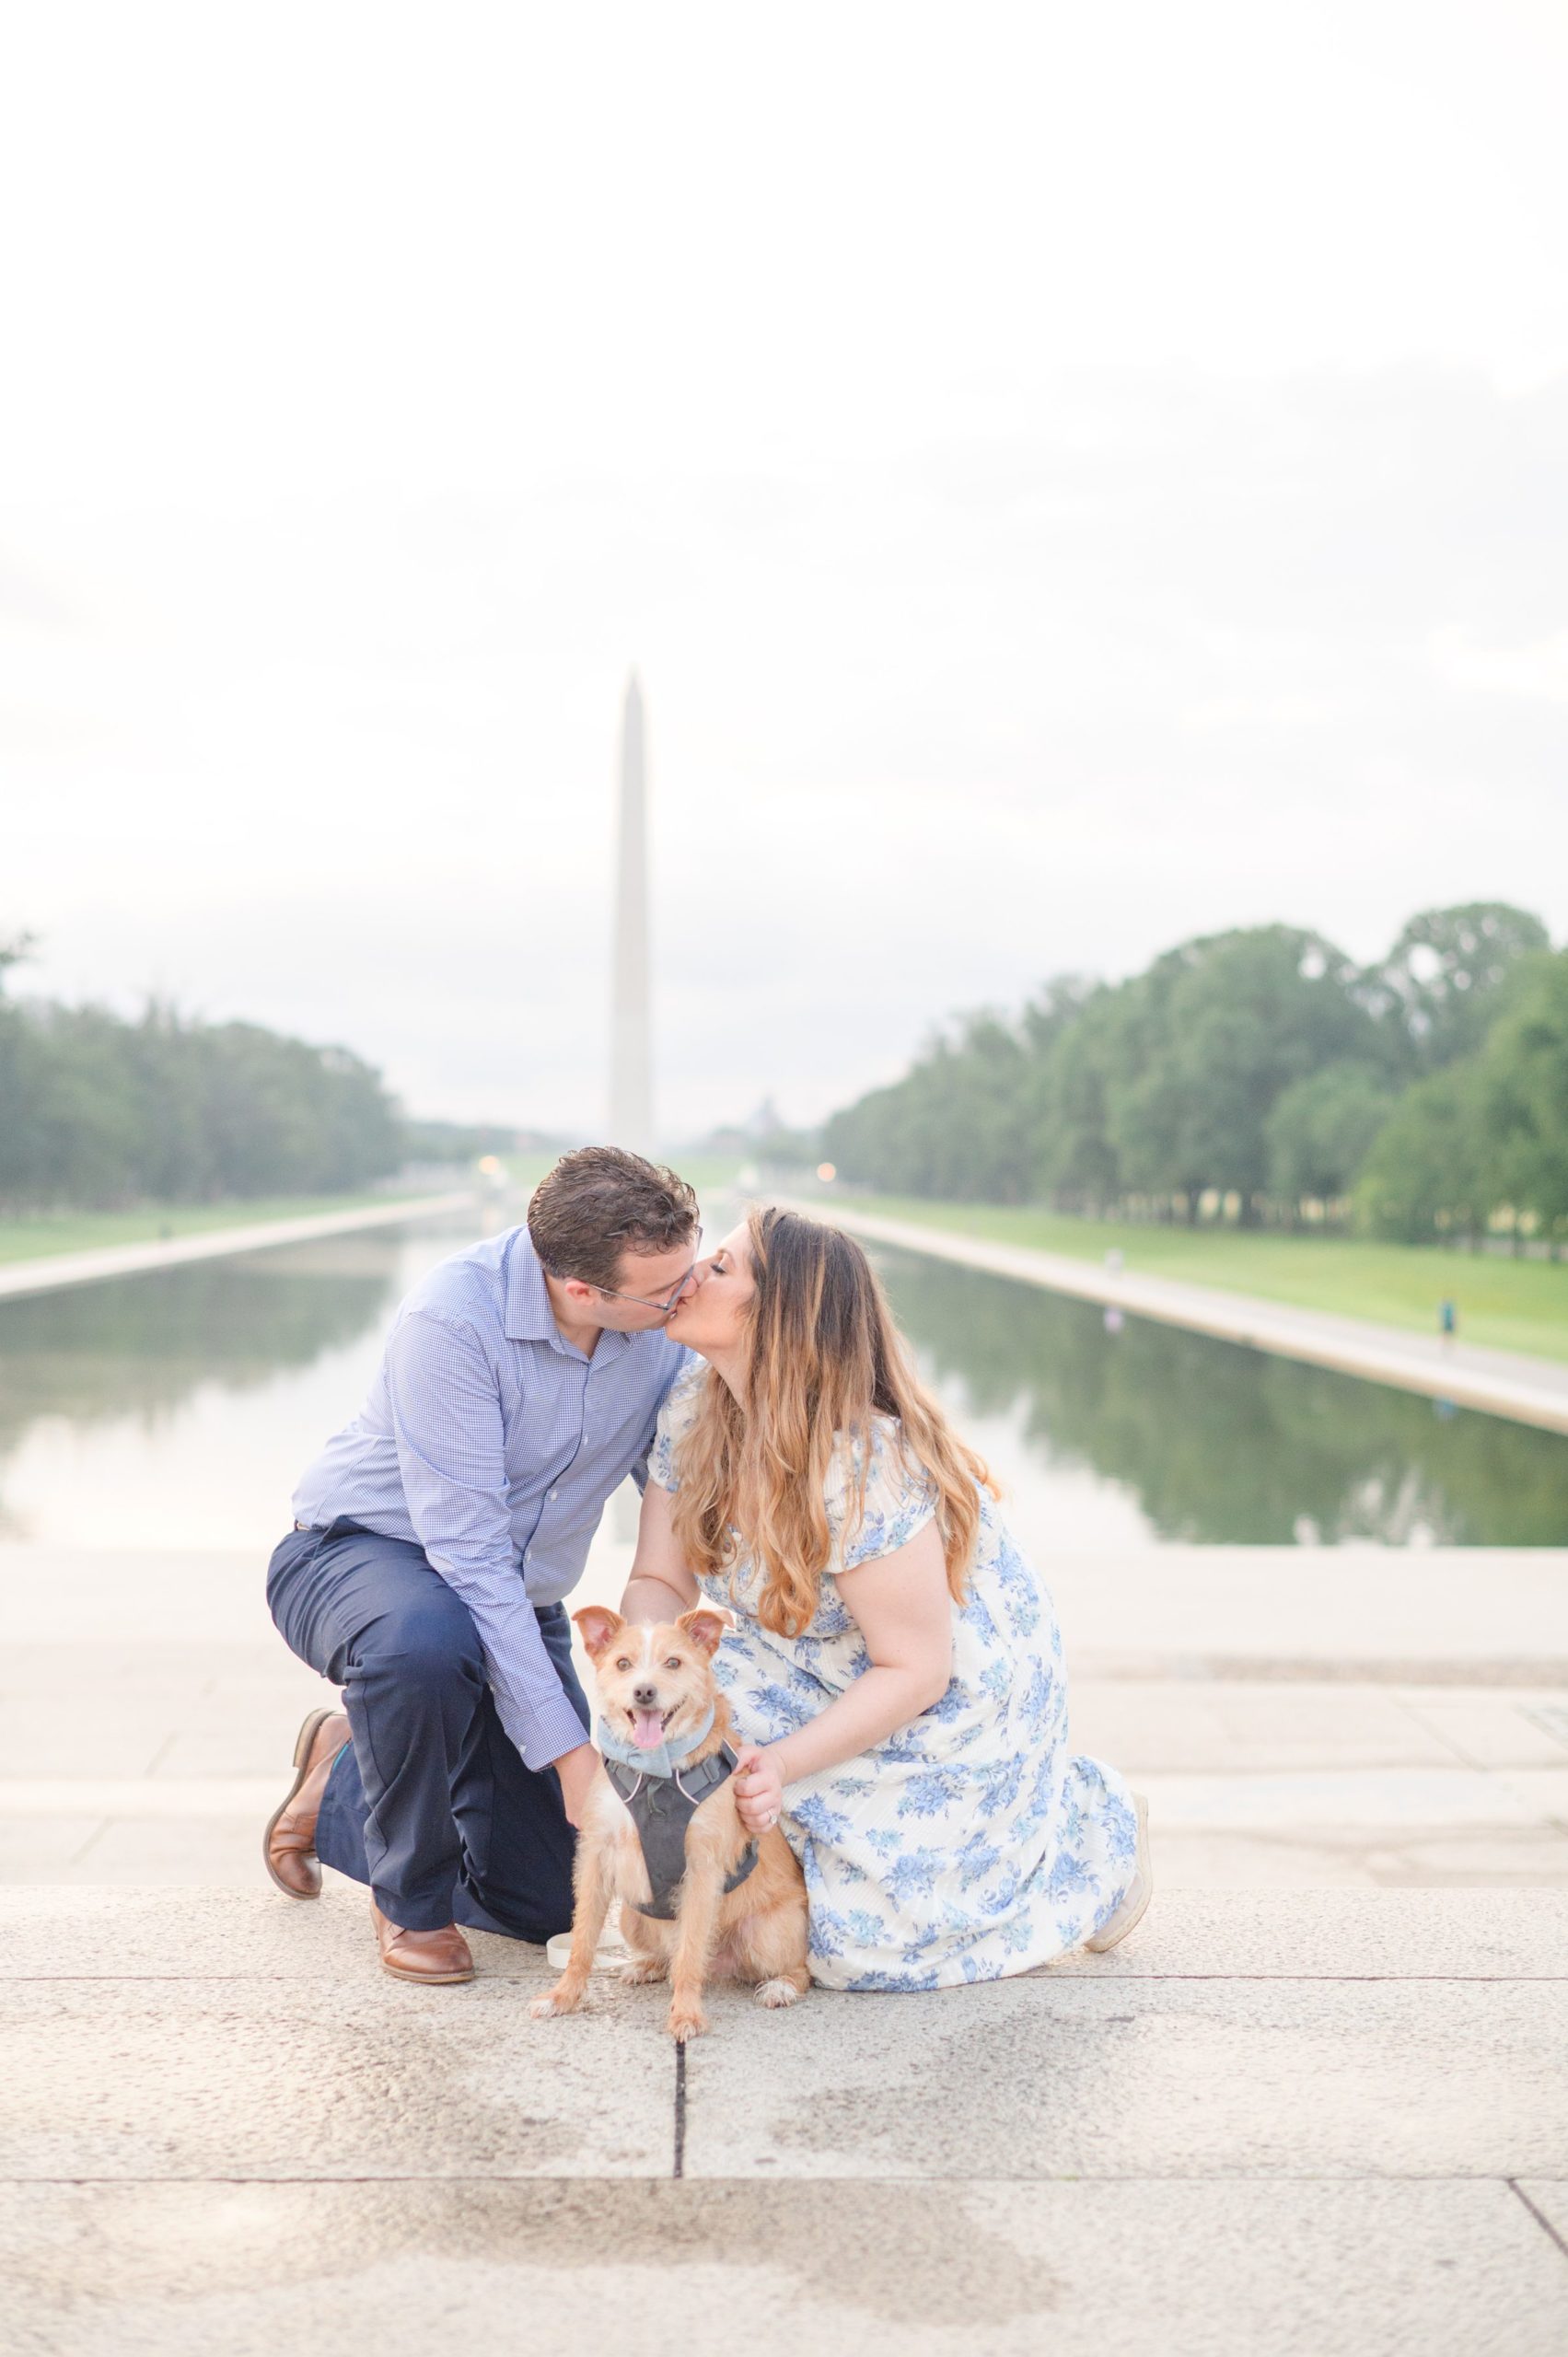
[(645, 1697)]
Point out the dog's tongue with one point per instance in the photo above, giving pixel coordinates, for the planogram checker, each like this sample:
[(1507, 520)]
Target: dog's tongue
[(647, 1729)]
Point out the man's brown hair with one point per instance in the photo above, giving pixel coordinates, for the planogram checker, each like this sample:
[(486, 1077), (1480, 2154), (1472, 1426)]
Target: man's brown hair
[(599, 1203)]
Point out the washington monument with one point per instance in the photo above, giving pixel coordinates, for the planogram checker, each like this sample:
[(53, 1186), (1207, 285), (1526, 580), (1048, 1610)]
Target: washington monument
[(631, 1086)]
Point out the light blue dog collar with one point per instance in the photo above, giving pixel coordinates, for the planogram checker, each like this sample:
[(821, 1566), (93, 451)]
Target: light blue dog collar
[(665, 1758)]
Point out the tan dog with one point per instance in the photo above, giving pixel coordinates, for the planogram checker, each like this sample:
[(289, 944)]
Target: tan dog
[(655, 1691)]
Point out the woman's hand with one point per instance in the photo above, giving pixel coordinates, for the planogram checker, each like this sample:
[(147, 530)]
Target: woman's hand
[(759, 1788)]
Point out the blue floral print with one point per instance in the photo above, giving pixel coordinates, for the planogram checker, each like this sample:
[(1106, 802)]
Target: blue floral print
[(970, 1844)]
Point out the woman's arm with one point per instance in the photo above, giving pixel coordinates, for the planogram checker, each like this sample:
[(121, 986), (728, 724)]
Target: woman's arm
[(905, 1610), (659, 1587)]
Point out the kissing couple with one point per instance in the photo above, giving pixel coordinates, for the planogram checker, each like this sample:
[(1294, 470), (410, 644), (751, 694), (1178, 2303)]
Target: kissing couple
[(894, 1671)]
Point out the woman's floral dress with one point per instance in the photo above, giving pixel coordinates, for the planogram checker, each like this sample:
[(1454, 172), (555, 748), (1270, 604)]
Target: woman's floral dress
[(970, 1843)]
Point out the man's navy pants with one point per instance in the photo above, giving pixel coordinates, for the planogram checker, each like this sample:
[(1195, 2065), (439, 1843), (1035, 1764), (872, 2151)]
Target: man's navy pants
[(430, 1804)]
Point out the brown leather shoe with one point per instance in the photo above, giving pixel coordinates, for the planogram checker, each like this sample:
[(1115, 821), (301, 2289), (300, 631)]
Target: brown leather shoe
[(288, 1845), (435, 1958)]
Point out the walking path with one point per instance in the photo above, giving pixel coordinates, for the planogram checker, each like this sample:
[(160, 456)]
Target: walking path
[(1530, 1390), (48, 1274), (1272, 2124)]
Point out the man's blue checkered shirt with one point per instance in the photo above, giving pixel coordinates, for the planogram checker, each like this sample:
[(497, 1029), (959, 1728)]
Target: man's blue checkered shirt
[(492, 1441)]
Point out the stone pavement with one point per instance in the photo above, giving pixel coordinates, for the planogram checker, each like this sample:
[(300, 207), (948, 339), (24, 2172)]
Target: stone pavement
[(1281, 2120), (1298, 1716), (1271, 2123), (1505, 1382)]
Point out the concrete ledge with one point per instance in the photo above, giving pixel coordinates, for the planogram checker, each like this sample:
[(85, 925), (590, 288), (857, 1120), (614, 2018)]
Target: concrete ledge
[(1501, 1383), (1481, 1615), (55, 1269)]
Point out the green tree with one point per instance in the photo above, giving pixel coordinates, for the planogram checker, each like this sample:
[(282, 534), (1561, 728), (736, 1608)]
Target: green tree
[(1427, 1171), (15, 952), (1445, 974), (1319, 1132), (1259, 1063), (83, 1125), (1075, 1161), (1522, 1086), (1232, 1021), (958, 1124), (15, 1079), (95, 1112)]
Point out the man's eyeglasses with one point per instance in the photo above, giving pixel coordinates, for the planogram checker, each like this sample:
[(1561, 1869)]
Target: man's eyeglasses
[(667, 1304)]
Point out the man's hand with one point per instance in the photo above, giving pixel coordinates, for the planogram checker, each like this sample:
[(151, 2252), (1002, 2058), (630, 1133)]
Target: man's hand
[(759, 1788), (576, 1770)]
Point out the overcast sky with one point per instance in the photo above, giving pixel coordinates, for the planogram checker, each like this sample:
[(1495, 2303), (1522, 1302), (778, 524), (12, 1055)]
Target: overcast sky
[(1068, 480)]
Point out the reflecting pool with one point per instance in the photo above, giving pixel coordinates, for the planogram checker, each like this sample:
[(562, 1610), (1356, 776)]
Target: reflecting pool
[(176, 1410), (179, 1408), (1131, 1430)]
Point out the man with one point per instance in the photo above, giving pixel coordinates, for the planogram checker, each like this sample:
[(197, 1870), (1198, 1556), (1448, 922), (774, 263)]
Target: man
[(435, 1539)]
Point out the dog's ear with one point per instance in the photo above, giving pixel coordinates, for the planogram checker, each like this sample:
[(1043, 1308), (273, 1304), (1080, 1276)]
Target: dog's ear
[(599, 1626), (707, 1627)]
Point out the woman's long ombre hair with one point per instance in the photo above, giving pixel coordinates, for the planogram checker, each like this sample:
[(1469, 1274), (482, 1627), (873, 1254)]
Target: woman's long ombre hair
[(826, 1358)]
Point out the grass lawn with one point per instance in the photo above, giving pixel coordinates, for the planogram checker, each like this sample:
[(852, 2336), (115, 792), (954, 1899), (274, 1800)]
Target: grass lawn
[(42, 1233), (1510, 1304), (47, 1232)]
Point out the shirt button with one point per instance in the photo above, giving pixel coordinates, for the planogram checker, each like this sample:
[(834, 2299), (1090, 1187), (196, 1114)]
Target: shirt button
[(551, 1493)]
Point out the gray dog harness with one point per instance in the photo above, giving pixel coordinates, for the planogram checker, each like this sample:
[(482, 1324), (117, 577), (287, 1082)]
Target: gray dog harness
[(662, 1806)]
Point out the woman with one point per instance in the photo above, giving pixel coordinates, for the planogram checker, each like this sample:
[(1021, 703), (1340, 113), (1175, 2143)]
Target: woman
[(894, 1661)]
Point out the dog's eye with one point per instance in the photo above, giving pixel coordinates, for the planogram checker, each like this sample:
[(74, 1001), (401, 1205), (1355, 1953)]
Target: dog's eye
[(673, 1662), (625, 1663)]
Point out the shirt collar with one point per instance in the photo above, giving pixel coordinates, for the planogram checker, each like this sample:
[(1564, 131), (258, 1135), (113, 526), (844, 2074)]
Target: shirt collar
[(529, 1317)]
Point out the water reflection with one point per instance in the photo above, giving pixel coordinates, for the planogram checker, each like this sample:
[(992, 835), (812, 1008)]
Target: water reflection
[(178, 1410), (141, 1344), (1210, 1441)]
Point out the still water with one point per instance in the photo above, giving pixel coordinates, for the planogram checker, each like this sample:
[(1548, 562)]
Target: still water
[(178, 1410)]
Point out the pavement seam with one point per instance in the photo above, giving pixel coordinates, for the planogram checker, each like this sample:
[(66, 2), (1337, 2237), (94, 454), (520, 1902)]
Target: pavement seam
[(100, 1827), (1412, 1711), (1544, 2223), (650, 2177), (679, 2168), (160, 1755)]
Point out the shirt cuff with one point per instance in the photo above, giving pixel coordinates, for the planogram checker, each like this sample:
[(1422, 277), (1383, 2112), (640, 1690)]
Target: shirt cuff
[(544, 1733)]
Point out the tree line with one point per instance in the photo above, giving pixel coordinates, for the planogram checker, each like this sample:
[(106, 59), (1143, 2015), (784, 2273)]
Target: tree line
[(98, 1111), (1260, 1075)]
